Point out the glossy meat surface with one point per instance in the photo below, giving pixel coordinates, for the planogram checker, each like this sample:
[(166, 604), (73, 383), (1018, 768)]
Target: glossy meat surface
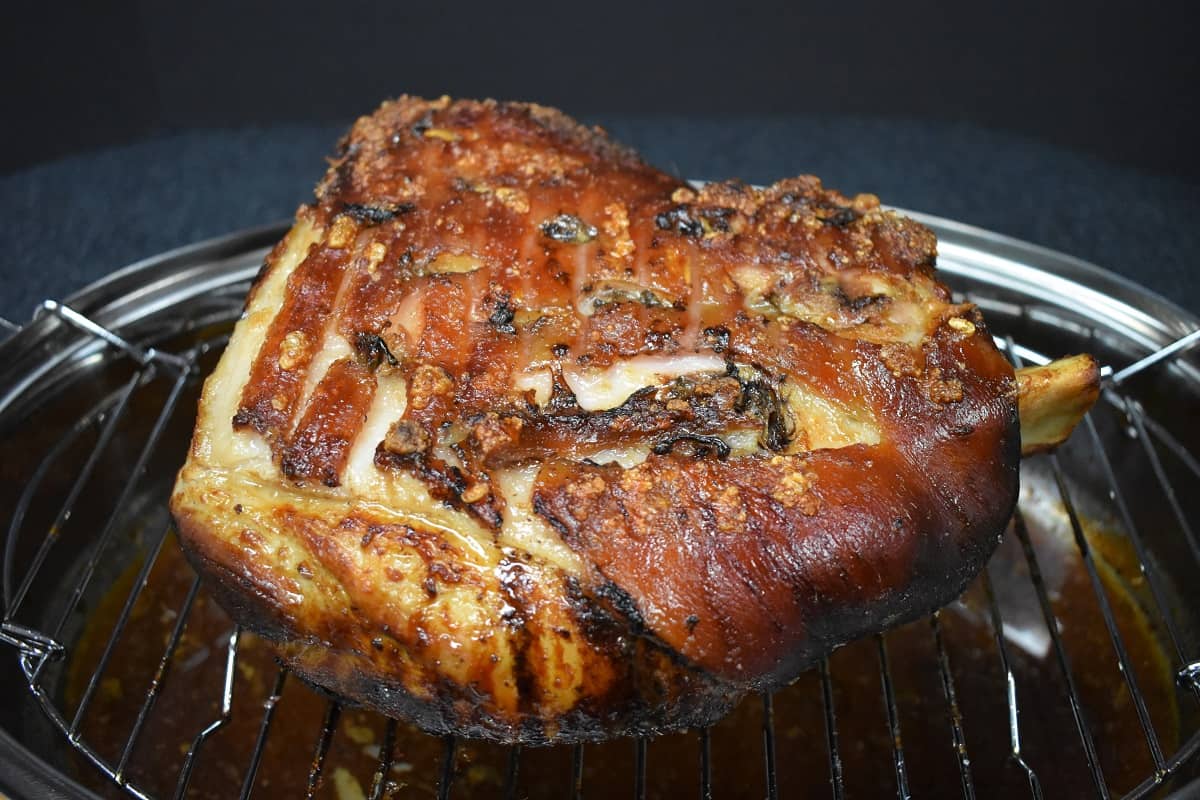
[(522, 438)]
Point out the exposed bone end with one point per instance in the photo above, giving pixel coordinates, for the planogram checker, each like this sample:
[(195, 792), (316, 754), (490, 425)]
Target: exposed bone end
[(1053, 398)]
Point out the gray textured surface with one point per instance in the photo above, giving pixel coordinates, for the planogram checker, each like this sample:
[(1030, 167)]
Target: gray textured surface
[(69, 222)]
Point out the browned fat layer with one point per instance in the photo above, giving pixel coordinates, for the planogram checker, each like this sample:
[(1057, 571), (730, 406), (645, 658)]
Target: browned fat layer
[(688, 411), (445, 482), (279, 371), (320, 445)]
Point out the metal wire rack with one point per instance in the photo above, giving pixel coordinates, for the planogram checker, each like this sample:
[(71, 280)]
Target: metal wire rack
[(41, 645)]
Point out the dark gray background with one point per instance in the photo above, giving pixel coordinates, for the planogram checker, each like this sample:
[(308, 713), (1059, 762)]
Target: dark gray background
[(1115, 79), (132, 127)]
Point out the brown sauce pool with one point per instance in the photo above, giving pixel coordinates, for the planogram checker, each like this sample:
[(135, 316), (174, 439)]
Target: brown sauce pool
[(191, 695)]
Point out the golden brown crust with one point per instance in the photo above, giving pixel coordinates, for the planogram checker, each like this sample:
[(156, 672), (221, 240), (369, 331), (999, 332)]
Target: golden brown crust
[(492, 679), (779, 558), (837, 454)]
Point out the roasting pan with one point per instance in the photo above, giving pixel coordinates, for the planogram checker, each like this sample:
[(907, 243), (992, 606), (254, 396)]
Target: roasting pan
[(1070, 668)]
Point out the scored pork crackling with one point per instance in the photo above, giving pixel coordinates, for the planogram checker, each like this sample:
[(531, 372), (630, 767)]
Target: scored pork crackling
[(521, 438)]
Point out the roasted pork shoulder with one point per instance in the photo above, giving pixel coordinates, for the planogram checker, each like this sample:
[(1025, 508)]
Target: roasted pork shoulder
[(521, 438)]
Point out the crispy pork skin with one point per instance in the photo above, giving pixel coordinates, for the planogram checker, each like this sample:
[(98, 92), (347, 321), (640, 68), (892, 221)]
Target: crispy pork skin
[(521, 438)]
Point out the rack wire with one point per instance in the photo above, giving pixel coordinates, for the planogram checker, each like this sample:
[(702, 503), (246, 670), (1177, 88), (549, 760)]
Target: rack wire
[(39, 648)]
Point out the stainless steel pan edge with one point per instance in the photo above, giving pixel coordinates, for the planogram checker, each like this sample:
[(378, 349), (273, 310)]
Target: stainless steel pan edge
[(1108, 299)]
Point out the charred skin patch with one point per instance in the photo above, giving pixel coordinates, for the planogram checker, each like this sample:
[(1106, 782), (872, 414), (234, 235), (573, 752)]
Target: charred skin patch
[(502, 313), (568, 229), (761, 397), (376, 214), (373, 351), (695, 445)]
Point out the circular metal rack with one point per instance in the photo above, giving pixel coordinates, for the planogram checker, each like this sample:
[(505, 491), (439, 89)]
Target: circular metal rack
[(94, 419)]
